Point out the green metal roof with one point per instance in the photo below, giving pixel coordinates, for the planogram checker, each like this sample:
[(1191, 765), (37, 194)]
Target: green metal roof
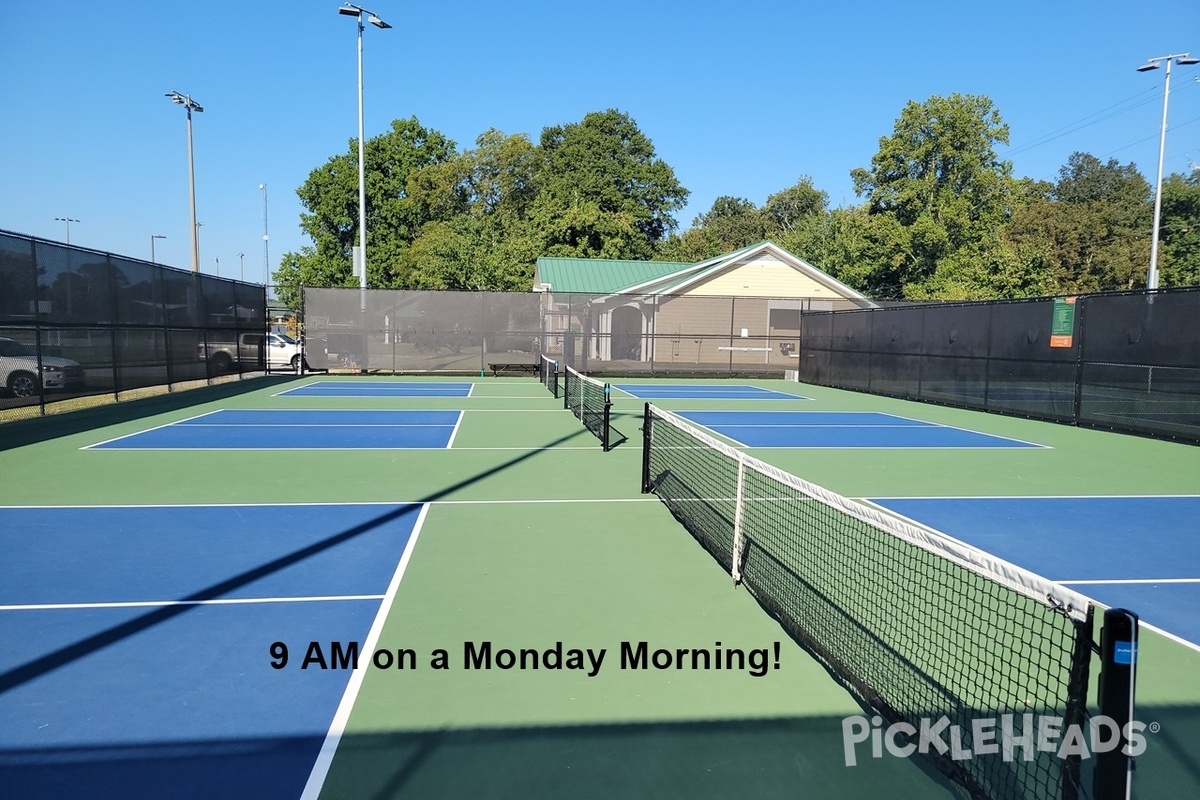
[(600, 275)]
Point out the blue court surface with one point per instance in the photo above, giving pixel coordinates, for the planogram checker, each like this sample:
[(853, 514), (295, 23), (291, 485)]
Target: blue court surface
[(838, 429), (379, 389), (665, 391), (298, 429), (1139, 553), (117, 630)]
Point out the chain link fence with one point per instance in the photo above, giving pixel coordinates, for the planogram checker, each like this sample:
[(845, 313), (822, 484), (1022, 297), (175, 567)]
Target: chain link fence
[(1127, 361), (80, 327), (414, 331)]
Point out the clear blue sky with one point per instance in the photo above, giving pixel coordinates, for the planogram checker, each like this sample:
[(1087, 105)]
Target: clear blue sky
[(740, 98)]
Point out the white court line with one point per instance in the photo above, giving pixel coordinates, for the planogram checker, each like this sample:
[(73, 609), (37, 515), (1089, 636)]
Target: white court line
[(920, 423), (1172, 636), (809, 425), (471, 391), (984, 433), (316, 778), (638, 499), (354, 449), (454, 431), (1037, 496), (283, 411), (321, 424), (229, 601), (539, 410), (147, 430)]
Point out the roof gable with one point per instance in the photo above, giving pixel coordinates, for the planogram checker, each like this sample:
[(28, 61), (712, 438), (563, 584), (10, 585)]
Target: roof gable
[(608, 277), (598, 275), (707, 270)]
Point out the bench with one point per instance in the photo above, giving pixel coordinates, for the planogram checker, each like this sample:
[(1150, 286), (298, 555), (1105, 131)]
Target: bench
[(525, 367)]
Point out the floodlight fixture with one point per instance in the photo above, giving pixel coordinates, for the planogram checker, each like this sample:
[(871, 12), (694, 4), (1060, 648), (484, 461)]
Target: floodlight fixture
[(1183, 59), (352, 10), (191, 105)]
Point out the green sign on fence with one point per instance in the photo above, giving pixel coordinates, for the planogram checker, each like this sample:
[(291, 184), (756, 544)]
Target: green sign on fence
[(1062, 325)]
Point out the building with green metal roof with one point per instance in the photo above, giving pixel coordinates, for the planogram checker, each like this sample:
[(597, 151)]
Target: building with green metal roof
[(739, 307)]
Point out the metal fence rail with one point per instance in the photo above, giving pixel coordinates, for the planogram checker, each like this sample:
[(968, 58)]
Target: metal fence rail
[(418, 331), (80, 327), (1126, 361)]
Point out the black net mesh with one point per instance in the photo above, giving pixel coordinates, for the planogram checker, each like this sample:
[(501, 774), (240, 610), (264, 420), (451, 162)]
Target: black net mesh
[(548, 373), (588, 399), (914, 633)]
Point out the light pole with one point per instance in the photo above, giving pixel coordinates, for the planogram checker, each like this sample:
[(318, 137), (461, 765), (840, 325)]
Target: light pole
[(266, 238), (186, 101), (242, 266), (152, 238), (1182, 59), (68, 221), (351, 10), (217, 259)]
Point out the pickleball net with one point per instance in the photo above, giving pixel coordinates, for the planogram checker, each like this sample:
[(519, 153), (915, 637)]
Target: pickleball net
[(548, 374), (589, 400), (918, 626)]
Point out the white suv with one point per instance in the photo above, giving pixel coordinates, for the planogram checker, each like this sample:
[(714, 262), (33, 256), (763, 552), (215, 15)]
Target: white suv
[(19, 370)]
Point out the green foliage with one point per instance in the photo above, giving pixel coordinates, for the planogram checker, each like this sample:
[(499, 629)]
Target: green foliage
[(1179, 250), (731, 224), (604, 175), (1088, 232), (440, 219), (309, 268), (938, 177), (942, 216), (330, 197), (794, 207)]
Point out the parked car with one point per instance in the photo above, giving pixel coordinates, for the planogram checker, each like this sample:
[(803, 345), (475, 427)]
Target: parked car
[(19, 372), (282, 351)]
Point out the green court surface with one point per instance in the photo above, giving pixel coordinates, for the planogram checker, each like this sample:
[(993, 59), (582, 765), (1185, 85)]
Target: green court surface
[(535, 537)]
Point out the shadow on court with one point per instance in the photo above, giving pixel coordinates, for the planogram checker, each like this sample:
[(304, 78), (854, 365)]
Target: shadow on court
[(65, 655), (718, 759), (20, 433), (710, 759)]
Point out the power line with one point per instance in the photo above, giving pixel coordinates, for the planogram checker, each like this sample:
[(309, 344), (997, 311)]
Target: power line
[(1145, 97)]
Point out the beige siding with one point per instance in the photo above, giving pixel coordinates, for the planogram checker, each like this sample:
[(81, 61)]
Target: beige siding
[(699, 315), (766, 276)]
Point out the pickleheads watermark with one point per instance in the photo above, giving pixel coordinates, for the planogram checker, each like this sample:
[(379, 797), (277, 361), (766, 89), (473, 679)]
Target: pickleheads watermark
[(1010, 736)]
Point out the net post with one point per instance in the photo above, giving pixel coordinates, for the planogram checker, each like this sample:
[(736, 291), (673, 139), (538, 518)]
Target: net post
[(554, 378), (1076, 711), (605, 440), (646, 423), (1112, 778), (735, 564)]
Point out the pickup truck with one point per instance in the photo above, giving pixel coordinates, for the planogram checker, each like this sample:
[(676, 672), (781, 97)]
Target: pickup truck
[(282, 351)]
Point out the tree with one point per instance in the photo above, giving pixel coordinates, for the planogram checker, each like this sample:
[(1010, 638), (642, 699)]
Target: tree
[(479, 236), (307, 268), (1087, 233), (939, 178), (603, 191), (330, 196), (1179, 252), (793, 207), (731, 224)]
